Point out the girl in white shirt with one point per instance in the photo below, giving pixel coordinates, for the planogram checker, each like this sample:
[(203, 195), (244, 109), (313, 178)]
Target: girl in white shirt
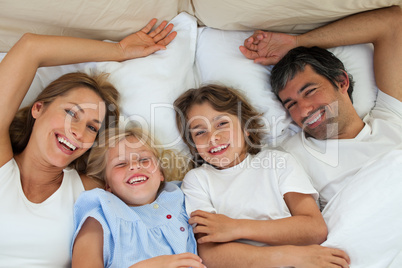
[(240, 193)]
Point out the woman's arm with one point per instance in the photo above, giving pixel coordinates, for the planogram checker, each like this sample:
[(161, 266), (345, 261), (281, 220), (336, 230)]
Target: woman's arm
[(19, 66), (88, 245)]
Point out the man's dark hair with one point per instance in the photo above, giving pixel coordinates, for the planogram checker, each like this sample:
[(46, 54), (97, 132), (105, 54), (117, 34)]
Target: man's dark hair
[(321, 60)]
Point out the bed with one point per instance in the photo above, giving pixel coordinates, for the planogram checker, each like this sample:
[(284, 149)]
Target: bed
[(206, 51)]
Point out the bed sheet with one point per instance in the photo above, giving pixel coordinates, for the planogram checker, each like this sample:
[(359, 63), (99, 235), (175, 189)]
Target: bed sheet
[(364, 218)]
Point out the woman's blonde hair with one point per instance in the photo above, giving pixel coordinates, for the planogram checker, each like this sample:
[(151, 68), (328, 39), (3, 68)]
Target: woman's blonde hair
[(22, 124), (172, 165), (222, 99)]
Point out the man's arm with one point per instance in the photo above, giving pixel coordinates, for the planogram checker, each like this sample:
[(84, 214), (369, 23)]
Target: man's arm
[(239, 255), (382, 28)]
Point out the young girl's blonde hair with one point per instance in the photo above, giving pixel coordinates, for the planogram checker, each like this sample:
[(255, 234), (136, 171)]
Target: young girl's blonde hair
[(172, 165)]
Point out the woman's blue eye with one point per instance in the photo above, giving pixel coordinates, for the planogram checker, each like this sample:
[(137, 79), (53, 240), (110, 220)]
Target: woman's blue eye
[(92, 128), (70, 112)]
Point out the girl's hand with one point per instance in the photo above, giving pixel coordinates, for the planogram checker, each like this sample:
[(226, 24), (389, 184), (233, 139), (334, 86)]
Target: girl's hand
[(145, 42), (214, 227), (171, 261), (267, 48), (316, 256)]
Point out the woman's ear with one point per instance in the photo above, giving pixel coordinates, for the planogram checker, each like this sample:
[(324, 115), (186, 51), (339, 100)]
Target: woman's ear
[(37, 109)]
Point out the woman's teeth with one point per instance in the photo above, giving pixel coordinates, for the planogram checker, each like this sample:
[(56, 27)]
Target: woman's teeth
[(66, 143)]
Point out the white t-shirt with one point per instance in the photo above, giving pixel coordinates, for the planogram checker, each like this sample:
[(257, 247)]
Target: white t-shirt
[(36, 235), (330, 162), (253, 189)]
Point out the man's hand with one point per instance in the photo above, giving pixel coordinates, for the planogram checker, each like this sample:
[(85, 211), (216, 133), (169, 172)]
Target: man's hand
[(267, 48)]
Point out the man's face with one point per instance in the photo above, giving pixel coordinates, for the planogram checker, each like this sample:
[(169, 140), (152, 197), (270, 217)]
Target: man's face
[(316, 105)]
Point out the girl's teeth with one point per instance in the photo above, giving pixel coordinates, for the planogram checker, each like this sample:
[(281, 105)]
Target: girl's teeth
[(217, 149), (137, 179)]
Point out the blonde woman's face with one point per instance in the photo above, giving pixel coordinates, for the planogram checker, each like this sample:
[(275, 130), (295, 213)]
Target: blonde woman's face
[(67, 127), (132, 172), (218, 136)]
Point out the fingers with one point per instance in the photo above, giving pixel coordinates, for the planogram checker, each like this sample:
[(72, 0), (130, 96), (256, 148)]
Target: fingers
[(248, 53), (149, 26), (342, 258), (159, 29), (189, 260)]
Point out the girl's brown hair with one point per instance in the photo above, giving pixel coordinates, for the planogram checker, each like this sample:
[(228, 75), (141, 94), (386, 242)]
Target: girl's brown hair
[(222, 99), (22, 124), (172, 165)]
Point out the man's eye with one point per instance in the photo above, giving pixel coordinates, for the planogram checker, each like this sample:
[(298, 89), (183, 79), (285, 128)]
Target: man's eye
[(290, 105), (308, 92)]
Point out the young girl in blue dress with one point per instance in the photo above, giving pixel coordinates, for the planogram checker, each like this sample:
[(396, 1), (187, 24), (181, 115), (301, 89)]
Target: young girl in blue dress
[(140, 219)]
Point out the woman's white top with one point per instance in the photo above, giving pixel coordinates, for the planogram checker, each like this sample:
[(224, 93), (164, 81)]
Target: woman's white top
[(36, 235)]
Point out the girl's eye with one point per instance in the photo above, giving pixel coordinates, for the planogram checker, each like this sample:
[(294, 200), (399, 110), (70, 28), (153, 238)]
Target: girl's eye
[(221, 124), (71, 113), (200, 132), (144, 160), (121, 164)]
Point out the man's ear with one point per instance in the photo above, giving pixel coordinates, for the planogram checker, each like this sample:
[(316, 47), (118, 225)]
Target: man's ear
[(37, 109), (343, 81)]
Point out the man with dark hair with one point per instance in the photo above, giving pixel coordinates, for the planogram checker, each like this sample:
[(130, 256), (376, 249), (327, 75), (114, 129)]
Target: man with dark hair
[(354, 163), (314, 87)]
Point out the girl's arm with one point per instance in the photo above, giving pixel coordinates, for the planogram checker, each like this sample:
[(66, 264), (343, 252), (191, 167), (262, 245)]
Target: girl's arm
[(88, 245), (306, 226), (171, 261), (18, 68)]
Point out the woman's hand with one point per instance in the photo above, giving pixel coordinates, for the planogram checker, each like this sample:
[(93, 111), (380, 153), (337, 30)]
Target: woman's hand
[(213, 227), (146, 42), (267, 48), (171, 261)]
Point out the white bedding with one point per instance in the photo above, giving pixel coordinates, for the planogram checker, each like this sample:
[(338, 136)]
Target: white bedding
[(364, 218)]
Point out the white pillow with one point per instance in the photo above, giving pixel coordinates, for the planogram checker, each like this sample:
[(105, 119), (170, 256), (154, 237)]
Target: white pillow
[(219, 60), (148, 86)]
